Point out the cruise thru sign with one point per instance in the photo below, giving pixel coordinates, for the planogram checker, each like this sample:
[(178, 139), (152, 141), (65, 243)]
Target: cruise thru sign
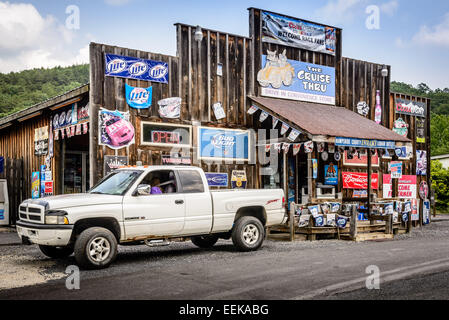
[(296, 80)]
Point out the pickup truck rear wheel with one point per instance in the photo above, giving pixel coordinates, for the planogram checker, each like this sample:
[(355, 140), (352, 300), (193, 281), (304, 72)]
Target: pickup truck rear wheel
[(95, 248), (205, 242), (248, 234), (56, 252)]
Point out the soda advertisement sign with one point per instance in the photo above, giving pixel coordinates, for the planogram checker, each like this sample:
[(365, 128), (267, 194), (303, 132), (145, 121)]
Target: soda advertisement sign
[(296, 80), (135, 68), (359, 180), (48, 188), (407, 107), (297, 33), (407, 187), (224, 144)]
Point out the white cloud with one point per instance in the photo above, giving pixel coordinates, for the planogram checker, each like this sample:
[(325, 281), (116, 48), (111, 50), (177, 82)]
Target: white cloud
[(338, 11), (341, 11), (29, 40), (437, 35), (389, 8), (117, 2)]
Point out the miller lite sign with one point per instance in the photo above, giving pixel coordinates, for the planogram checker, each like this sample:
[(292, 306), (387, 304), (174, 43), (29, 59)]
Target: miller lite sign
[(135, 68), (139, 98)]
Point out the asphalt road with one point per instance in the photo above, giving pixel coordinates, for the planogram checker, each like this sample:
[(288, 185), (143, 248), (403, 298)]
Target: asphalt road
[(411, 267)]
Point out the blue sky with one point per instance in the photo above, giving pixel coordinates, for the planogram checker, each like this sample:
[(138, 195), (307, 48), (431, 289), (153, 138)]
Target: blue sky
[(413, 35)]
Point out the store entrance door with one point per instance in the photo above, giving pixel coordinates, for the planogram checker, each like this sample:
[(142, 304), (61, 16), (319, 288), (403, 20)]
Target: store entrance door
[(76, 173), (75, 165)]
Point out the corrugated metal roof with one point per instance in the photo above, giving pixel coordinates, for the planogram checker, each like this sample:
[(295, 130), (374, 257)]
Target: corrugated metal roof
[(320, 119)]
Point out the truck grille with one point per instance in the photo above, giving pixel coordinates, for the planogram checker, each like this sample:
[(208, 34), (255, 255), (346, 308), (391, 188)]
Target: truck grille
[(32, 213)]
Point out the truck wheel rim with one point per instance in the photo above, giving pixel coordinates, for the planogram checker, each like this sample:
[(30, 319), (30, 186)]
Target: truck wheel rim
[(99, 249), (250, 234)]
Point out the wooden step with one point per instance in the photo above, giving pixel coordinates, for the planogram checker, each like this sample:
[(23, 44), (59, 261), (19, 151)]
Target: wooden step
[(286, 237), (374, 236)]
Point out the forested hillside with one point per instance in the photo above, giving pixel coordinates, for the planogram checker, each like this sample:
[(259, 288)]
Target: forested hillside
[(19, 90), (440, 113)]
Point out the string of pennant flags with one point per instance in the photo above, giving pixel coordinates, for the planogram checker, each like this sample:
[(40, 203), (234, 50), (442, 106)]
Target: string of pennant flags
[(70, 131), (294, 134)]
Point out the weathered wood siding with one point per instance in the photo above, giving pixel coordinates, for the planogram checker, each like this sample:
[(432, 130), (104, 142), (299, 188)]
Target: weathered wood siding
[(193, 77), (17, 142)]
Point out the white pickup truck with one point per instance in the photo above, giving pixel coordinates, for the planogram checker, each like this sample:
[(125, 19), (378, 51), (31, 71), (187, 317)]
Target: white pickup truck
[(147, 205)]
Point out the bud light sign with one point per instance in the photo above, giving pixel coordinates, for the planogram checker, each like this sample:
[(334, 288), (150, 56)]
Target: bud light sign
[(135, 68), (224, 144)]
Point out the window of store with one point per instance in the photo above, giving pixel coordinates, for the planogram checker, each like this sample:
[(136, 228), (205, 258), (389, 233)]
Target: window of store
[(163, 135)]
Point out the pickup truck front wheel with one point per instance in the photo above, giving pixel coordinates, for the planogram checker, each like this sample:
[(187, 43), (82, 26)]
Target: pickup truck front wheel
[(248, 234), (205, 242), (95, 248)]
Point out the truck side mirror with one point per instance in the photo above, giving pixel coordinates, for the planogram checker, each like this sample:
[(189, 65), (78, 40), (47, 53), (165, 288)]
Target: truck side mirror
[(144, 190)]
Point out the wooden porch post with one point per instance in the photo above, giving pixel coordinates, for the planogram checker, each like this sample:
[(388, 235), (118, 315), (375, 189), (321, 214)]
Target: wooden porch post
[(369, 181)]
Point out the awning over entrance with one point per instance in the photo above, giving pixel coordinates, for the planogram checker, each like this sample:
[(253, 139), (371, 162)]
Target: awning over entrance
[(325, 120)]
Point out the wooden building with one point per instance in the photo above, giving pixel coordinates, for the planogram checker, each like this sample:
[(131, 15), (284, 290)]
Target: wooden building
[(216, 72)]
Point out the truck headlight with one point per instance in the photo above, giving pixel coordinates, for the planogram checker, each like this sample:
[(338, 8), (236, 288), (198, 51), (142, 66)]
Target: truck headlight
[(56, 217)]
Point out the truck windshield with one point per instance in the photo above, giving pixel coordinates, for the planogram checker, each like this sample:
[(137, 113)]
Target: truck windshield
[(117, 183)]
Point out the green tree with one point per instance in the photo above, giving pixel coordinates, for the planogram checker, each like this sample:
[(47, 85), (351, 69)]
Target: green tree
[(440, 184), (19, 90)]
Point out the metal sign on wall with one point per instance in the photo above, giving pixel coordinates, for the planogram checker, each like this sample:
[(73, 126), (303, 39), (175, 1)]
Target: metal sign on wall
[(217, 179), (359, 180), (411, 108), (364, 143), (297, 33), (112, 163), (296, 80), (420, 130), (224, 144), (135, 68)]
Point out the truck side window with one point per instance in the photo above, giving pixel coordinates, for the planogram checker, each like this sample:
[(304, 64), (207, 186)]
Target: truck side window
[(162, 182), (191, 181)]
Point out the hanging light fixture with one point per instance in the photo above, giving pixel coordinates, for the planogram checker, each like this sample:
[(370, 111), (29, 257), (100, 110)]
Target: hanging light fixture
[(198, 34), (385, 71)]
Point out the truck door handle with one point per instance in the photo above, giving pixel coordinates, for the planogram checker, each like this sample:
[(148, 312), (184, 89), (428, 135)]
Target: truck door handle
[(179, 202)]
